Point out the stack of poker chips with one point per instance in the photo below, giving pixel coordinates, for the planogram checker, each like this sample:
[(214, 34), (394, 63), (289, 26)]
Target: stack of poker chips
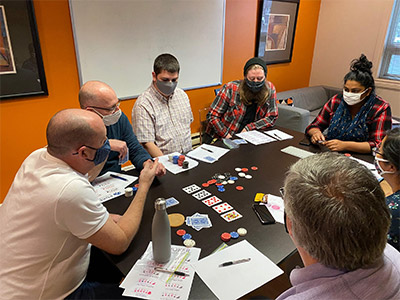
[(179, 160)]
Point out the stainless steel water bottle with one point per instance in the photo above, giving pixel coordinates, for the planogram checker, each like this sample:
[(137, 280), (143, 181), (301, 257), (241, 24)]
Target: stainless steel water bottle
[(161, 232)]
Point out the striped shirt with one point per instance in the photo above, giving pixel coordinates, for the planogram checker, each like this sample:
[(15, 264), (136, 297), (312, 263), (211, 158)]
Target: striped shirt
[(164, 121)]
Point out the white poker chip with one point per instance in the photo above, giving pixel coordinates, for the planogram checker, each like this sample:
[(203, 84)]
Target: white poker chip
[(238, 169), (224, 182), (128, 192), (241, 174), (231, 181), (189, 243), (242, 231), (221, 177), (248, 177)]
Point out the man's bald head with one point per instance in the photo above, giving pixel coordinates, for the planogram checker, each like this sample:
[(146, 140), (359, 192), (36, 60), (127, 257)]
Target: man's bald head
[(96, 93), (69, 129)]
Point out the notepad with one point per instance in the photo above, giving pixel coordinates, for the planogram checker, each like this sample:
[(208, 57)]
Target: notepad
[(297, 152)]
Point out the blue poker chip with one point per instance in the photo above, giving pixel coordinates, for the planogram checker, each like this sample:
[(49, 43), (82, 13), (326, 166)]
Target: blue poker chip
[(221, 190), (233, 178), (234, 235), (186, 236), (134, 188)]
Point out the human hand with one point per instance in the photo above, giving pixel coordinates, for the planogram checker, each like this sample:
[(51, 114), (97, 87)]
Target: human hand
[(228, 136), (317, 137), (335, 145), (243, 130), (161, 171), (148, 172), (119, 146)]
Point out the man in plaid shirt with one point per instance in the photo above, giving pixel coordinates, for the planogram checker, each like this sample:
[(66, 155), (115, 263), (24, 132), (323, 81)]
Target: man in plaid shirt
[(243, 105)]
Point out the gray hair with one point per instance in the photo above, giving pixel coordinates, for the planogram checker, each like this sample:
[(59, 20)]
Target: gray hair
[(338, 211)]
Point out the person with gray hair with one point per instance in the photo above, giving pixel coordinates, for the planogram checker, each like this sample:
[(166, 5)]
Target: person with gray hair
[(51, 215), (337, 217)]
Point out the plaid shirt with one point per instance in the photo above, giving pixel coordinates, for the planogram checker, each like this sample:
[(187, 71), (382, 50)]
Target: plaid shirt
[(379, 118), (164, 121), (227, 111)]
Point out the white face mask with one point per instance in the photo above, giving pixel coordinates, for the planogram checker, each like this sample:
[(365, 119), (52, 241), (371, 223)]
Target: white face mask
[(379, 168), (352, 98), (109, 120)]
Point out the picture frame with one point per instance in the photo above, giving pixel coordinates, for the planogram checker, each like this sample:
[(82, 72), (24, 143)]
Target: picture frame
[(21, 64), (276, 30)]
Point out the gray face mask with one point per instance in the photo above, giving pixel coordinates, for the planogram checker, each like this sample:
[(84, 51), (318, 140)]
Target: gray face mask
[(166, 87), (255, 86)]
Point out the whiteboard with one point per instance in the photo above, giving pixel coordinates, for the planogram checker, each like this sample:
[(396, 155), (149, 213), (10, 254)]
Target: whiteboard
[(116, 41)]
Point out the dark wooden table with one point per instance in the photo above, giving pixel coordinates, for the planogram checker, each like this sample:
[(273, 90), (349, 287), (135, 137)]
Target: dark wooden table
[(272, 240)]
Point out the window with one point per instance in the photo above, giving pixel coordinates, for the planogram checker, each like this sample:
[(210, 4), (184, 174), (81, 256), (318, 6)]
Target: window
[(390, 65)]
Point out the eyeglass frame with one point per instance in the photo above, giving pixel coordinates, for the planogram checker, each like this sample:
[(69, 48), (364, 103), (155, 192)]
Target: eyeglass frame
[(375, 151), (113, 109), (282, 192)]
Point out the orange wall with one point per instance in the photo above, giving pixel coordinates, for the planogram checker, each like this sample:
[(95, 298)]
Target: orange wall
[(23, 121)]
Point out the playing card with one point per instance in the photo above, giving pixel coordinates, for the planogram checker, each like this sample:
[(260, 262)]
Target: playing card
[(201, 194), (231, 216), (191, 188), (198, 221), (220, 208), (211, 201), (171, 202)]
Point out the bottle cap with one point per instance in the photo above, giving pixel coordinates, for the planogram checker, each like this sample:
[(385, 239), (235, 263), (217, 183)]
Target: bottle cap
[(160, 204)]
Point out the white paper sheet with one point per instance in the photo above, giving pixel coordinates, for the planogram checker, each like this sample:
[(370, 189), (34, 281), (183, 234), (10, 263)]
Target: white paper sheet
[(208, 153), (107, 187), (370, 166), (144, 282), (276, 207), (255, 137), (234, 281), (278, 134), (296, 152), (175, 169)]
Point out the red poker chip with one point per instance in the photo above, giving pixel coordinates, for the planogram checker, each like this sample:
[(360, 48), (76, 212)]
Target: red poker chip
[(254, 168), (226, 237), (136, 185), (211, 181), (181, 232), (245, 169), (205, 184), (239, 188), (218, 184), (347, 154)]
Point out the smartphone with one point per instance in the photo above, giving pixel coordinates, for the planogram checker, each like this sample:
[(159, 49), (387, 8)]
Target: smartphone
[(305, 142), (263, 214)]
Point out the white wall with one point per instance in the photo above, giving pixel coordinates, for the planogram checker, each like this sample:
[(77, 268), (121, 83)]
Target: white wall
[(347, 28)]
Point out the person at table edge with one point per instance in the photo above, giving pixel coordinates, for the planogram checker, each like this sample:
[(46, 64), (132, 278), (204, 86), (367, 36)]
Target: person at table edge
[(356, 119), (243, 105), (100, 98)]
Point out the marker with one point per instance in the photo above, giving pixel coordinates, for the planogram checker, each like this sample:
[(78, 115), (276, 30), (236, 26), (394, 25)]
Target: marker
[(206, 149), (118, 177), (235, 262), (170, 272)]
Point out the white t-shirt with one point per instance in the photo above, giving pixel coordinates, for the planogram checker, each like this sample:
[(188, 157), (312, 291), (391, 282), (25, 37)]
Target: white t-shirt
[(46, 216)]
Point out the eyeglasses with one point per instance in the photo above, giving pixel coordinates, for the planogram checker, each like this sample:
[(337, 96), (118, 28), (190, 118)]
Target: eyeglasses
[(282, 191), (112, 109), (375, 151)]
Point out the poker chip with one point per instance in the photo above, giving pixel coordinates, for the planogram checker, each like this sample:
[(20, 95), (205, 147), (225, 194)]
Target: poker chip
[(218, 184), (231, 181), (245, 170), (248, 177), (233, 178), (189, 243), (254, 168), (241, 174), (128, 192), (239, 188), (242, 231), (211, 181), (224, 182), (186, 236), (136, 185), (234, 235), (226, 237), (347, 154), (221, 190), (205, 184), (221, 176), (181, 232), (238, 169), (134, 188)]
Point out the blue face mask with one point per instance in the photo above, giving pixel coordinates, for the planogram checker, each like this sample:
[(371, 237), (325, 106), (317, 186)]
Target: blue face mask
[(101, 153)]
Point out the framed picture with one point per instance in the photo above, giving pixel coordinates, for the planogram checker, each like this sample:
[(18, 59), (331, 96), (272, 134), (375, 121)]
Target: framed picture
[(21, 64), (277, 25)]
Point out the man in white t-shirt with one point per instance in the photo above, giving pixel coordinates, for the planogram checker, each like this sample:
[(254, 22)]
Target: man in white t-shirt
[(51, 214)]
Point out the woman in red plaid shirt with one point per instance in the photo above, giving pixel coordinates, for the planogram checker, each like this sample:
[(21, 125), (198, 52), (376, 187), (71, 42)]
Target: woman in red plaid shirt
[(357, 119), (243, 105)]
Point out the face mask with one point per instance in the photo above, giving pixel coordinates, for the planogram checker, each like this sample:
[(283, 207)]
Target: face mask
[(109, 120), (352, 98), (101, 153), (166, 87), (379, 168), (255, 86)]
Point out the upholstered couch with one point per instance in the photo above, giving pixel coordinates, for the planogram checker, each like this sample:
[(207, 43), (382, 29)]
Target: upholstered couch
[(307, 104)]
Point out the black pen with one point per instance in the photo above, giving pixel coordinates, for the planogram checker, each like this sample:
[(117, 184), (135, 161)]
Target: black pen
[(170, 272), (277, 136), (206, 149), (229, 263), (118, 177)]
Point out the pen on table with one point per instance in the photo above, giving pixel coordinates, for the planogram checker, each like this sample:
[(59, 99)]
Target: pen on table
[(234, 262), (277, 136), (118, 177), (170, 272), (206, 149)]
